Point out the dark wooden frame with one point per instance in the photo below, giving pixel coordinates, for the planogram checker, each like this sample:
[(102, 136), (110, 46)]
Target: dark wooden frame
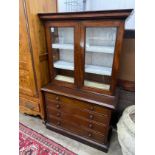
[(79, 51), (50, 51), (106, 14), (102, 23)]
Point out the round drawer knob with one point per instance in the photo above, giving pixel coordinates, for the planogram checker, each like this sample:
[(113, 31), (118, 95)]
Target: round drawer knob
[(58, 123), (91, 108), (90, 125), (57, 98), (58, 106), (91, 116), (58, 114), (89, 135)]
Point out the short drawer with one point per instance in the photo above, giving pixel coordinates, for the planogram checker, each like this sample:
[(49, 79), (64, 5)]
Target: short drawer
[(75, 128), (58, 98), (74, 110), (28, 105), (87, 124)]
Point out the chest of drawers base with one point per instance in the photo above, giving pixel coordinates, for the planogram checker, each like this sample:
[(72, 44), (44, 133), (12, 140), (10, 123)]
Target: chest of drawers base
[(102, 147), (83, 119)]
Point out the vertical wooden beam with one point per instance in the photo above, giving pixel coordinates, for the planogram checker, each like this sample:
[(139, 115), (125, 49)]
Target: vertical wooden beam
[(79, 55), (118, 48)]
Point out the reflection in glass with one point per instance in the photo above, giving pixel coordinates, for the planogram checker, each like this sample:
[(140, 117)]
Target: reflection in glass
[(99, 52), (63, 53)]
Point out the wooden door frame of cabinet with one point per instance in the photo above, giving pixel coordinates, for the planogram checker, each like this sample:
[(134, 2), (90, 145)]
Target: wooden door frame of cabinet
[(116, 61), (79, 51), (59, 24), (119, 38)]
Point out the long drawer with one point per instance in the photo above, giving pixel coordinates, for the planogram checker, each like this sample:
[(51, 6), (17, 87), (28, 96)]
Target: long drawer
[(74, 128), (29, 105), (87, 124)]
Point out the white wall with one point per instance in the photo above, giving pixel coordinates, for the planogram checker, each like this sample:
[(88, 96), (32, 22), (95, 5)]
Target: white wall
[(114, 4), (107, 5), (61, 5)]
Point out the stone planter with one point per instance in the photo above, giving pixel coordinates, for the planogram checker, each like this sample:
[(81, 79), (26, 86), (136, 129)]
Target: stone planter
[(126, 131)]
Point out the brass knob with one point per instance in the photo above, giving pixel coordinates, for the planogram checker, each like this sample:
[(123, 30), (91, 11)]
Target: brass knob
[(89, 135), (90, 125), (91, 108), (58, 123), (58, 114), (58, 106), (57, 98), (91, 116)]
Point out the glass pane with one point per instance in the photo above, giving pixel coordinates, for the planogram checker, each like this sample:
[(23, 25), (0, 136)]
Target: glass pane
[(100, 46), (63, 53)]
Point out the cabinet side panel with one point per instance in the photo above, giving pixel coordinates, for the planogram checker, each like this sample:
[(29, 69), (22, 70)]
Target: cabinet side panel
[(37, 34), (26, 76)]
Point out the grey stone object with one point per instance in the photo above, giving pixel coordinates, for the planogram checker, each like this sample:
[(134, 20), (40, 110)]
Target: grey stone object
[(126, 131)]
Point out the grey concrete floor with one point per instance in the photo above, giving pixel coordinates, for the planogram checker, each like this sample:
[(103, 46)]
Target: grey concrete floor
[(75, 146)]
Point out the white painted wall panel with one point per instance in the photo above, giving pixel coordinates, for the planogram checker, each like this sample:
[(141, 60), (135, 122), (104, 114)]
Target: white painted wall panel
[(112, 5)]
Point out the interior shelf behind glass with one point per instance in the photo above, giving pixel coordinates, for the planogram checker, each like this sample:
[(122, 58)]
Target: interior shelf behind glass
[(64, 65), (88, 68), (99, 53), (62, 41), (63, 46), (100, 49), (96, 85), (64, 78)]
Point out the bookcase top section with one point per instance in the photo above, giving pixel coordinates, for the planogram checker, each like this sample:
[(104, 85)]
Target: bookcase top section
[(108, 14)]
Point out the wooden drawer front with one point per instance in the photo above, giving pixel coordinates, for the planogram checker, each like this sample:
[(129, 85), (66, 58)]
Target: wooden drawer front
[(80, 113), (29, 105), (80, 104), (74, 128), (87, 124)]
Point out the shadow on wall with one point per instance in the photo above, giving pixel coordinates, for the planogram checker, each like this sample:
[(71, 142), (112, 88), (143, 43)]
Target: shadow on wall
[(126, 78), (125, 99)]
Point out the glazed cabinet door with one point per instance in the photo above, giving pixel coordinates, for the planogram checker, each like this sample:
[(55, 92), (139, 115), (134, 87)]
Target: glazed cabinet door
[(26, 74), (62, 50), (101, 48)]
